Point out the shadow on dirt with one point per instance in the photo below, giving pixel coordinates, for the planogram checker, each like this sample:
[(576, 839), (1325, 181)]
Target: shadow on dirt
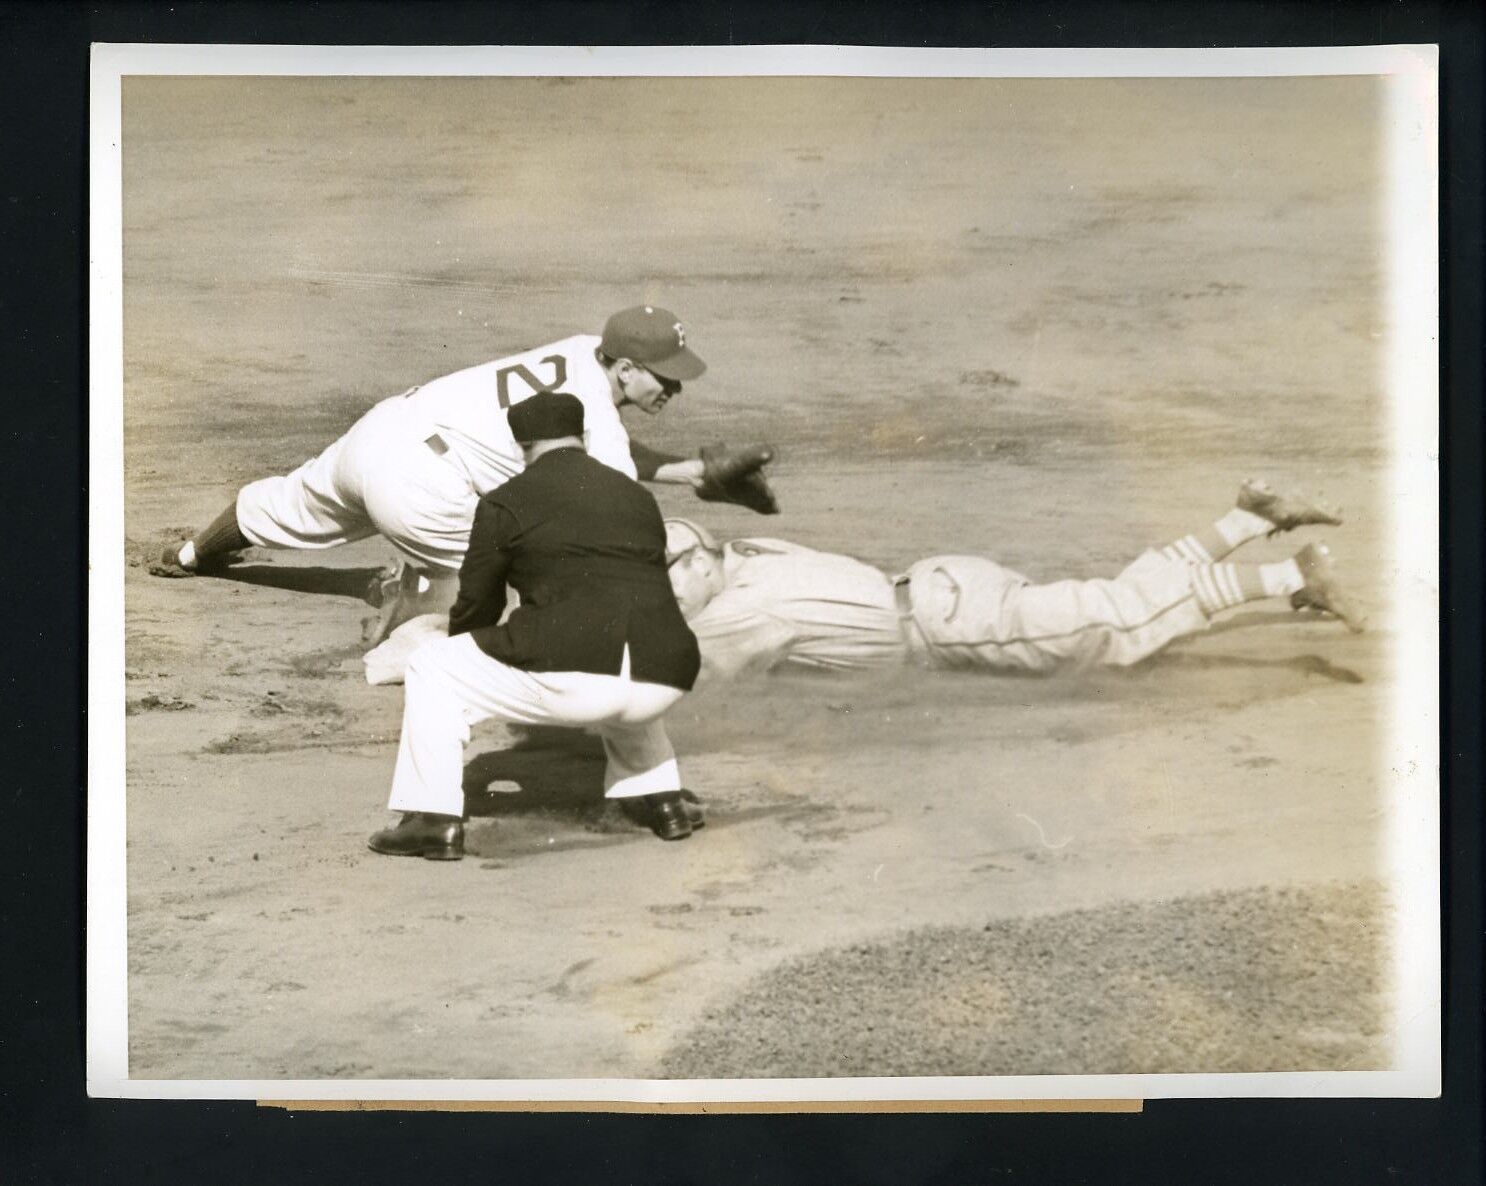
[(552, 799), (1304, 664), (554, 782), (1247, 619), (335, 582), (556, 771)]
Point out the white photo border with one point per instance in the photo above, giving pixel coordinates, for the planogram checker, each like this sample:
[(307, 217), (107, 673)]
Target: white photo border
[(1411, 230)]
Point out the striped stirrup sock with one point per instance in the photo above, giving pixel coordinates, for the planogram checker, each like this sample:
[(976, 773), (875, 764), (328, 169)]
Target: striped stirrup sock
[(1211, 544), (1190, 549), (1223, 586)]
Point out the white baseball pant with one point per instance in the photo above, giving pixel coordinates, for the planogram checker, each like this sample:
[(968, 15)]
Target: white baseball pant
[(975, 613), (379, 477), (451, 684)]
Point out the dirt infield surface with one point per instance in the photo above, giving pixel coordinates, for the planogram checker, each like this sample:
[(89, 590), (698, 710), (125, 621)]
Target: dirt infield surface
[(1049, 322)]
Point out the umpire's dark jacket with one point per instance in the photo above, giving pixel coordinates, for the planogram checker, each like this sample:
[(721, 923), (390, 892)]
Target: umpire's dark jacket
[(585, 548)]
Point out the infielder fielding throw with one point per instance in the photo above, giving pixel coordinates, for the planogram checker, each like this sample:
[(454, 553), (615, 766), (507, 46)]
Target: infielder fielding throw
[(415, 465), (756, 604)]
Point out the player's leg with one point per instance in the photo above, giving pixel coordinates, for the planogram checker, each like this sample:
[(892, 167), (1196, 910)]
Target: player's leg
[(970, 612), (302, 510), (1150, 610), (1262, 510), (317, 505), (973, 613), (208, 549), (1308, 578), (1259, 510), (1083, 623), (424, 503)]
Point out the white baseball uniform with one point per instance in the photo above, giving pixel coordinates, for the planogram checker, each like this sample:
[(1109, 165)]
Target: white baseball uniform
[(787, 604), (414, 466)]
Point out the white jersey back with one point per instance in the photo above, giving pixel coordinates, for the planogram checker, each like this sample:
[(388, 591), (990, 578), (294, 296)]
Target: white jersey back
[(468, 408)]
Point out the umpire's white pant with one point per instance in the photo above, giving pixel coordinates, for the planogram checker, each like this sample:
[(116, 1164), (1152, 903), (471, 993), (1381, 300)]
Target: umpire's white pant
[(452, 684)]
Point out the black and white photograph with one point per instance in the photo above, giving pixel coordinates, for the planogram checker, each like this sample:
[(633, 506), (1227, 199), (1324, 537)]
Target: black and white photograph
[(785, 573)]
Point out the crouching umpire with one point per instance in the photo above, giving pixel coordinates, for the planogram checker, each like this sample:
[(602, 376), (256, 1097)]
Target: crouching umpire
[(596, 642)]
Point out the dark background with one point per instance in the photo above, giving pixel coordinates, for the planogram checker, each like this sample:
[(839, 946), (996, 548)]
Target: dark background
[(49, 1130)]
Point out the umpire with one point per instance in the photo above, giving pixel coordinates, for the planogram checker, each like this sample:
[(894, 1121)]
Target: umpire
[(597, 641)]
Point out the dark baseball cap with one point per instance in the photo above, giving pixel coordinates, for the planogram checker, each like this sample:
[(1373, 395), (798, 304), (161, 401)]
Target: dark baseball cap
[(654, 338), (545, 417)]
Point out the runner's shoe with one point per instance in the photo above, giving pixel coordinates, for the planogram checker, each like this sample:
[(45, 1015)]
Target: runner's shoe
[(1287, 510), (171, 564), (1322, 589)]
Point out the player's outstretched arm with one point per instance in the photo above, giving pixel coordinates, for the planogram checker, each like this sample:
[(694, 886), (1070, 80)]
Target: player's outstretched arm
[(718, 474), (651, 465)]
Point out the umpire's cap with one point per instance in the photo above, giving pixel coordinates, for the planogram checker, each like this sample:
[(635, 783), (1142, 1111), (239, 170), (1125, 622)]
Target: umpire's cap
[(545, 417), (682, 535)]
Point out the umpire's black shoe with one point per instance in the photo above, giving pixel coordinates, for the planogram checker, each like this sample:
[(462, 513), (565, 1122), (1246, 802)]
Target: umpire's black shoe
[(421, 834), (669, 818), (693, 808)]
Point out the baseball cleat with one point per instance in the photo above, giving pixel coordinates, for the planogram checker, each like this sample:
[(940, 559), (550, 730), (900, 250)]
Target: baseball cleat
[(171, 564), (1322, 589), (1287, 510), (421, 834)]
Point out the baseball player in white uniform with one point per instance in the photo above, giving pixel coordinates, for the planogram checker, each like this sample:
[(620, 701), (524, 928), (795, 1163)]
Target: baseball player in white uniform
[(414, 466), (757, 604)]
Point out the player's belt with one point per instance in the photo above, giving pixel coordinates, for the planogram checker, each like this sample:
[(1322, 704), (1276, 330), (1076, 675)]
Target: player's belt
[(913, 635), (904, 597)]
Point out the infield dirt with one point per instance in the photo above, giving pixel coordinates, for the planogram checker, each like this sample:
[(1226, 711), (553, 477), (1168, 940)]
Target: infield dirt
[(1049, 322)]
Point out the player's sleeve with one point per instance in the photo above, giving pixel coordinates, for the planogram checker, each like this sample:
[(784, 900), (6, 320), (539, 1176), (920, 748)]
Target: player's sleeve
[(648, 461), (734, 636), (607, 441), (482, 576)]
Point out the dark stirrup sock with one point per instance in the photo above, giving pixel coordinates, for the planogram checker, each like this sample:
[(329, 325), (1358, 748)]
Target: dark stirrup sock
[(221, 536)]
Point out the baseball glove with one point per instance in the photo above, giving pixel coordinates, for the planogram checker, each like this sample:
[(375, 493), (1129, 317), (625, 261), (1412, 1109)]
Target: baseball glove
[(737, 476)]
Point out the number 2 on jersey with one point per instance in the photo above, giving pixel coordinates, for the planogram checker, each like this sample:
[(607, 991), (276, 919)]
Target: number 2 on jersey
[(559, 366)]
